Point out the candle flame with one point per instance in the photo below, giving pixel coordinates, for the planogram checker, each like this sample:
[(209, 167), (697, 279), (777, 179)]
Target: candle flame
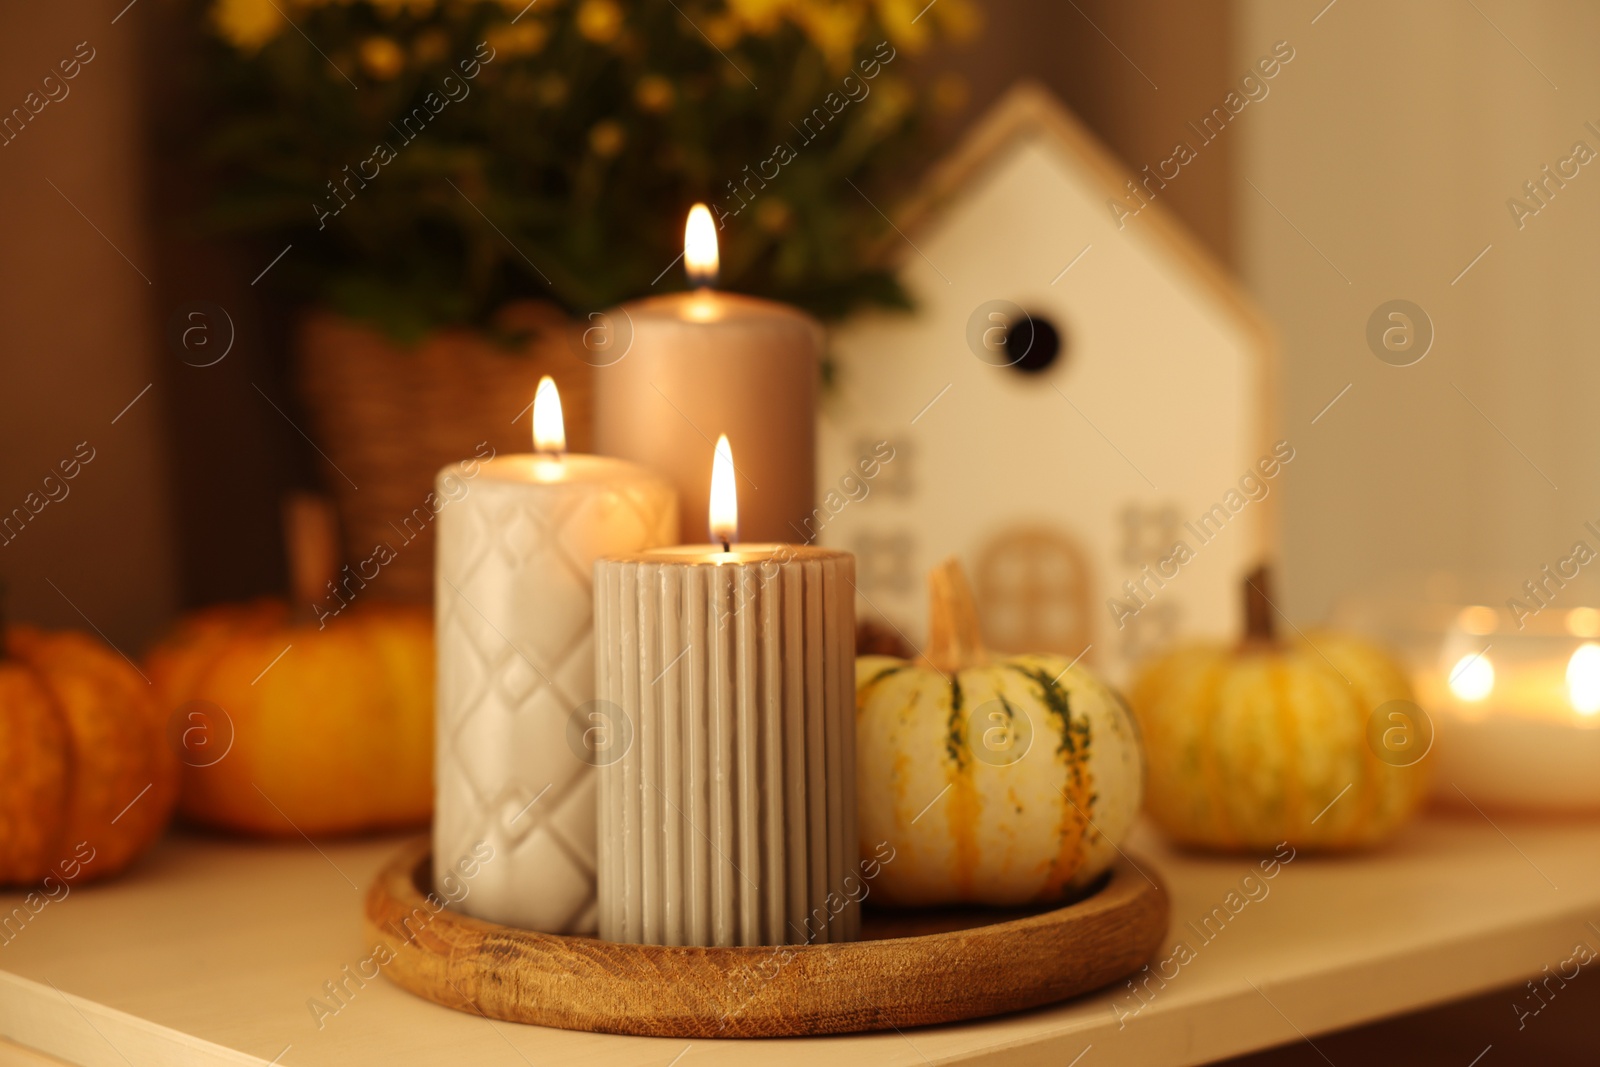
[(700, 247), (1472, 678), (549, 429), (1583, 679), (724, 496)]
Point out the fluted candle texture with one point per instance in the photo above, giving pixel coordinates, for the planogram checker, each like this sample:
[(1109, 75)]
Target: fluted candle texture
[(729, 816)]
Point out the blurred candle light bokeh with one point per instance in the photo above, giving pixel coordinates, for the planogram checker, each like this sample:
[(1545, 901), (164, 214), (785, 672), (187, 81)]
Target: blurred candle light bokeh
[(1515, 698)]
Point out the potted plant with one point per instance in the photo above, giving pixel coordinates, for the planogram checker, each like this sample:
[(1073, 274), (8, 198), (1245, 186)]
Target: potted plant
[(453, 179)]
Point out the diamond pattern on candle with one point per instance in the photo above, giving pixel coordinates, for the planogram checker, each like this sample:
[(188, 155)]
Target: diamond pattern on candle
[(509, 678)]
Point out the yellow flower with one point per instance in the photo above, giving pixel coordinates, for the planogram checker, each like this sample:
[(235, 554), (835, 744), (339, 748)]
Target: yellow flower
[(653, 93), (431, 46), (246, 24), (724, 32), (523, 39), (902, 18), (382, 58), (890, 102), (773, 215), (758, 16), (600, 20), (606, 138), (391, 8), (834, 29)]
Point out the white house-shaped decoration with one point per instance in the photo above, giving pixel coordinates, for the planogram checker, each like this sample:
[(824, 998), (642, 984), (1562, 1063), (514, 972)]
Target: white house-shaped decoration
[(1110, 501)]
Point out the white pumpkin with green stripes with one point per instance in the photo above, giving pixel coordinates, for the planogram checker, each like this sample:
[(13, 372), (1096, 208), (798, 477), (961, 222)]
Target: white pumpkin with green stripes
[(1002, 780)]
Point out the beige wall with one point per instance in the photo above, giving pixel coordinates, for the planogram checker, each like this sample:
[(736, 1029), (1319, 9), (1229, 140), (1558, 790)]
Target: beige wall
[(1134, 73), (1391, 144), (78, 341)]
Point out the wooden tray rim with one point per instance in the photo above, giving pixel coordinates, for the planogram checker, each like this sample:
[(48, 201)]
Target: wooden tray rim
[(439, 963)]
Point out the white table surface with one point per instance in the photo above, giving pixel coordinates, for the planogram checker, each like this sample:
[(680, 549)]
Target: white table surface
[(209, 950)]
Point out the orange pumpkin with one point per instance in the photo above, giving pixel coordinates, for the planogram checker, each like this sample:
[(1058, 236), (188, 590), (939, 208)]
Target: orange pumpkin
[(293, 726), (87, 780)]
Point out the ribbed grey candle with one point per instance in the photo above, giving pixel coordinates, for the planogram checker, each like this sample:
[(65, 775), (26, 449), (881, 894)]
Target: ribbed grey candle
[(730, 817)]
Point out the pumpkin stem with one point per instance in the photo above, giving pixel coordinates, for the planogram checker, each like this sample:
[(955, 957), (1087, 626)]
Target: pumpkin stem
[(1259, 625), (955, 641), (311, 542)]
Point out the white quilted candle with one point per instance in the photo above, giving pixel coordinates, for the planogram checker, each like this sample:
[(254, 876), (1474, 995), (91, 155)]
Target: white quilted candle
[(517, 737), (730, 819)]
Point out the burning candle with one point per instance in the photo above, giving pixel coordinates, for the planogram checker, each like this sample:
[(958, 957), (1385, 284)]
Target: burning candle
[(730, 817), (1552, 675), (1472, 677), (706, 362), (1583, 679), (1517, 713), (516, 665)]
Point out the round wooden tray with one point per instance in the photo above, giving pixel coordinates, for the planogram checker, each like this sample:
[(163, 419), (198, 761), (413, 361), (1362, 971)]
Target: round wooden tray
[(909, 969)]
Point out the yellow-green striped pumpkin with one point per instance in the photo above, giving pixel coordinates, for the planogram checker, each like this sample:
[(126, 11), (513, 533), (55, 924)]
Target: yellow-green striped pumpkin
[(995, 780), (1268, 741)]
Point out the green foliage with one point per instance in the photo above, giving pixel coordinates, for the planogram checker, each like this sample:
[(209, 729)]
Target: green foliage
[(559, 151)]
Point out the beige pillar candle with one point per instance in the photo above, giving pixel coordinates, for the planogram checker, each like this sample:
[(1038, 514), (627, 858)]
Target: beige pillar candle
[(515, 653), (705, 363), (730, 819)]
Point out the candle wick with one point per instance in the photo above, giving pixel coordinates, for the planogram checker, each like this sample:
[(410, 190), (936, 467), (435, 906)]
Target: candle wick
[(725, 547)]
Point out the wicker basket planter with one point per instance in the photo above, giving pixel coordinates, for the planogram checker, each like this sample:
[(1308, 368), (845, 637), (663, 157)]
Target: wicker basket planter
[(388, 417)]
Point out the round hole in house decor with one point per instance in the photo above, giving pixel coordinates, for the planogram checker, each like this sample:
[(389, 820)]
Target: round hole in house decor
[(1034, 343)]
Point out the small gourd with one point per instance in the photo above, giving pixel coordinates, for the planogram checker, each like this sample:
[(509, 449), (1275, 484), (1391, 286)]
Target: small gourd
[(1267, 741), (1002, 780)]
